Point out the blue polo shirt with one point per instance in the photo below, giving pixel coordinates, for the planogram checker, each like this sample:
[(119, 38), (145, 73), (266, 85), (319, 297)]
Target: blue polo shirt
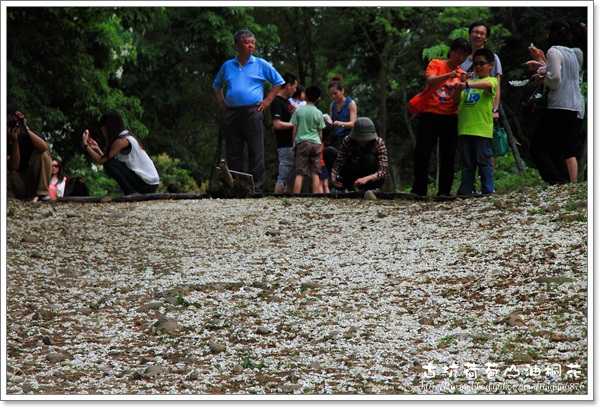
[(244, 84)]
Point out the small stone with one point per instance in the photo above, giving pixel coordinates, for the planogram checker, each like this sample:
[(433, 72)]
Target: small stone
[(55, 357), (106, 199), (148, 359), (153, 370), (426, 321), (572, 217), (556, 280), (335, 333), (194, 375), (186, 386), (523, 358), (315, 365), (310, 284), (370, 196), (216, 347), (47, 340), (237, 369), (260, 284), (167, 324), (69, 271), (262, 330), (499, 204), (513, 319), (289, 388), (273, 232), (149, 306), (85, 310), (37, 255), (30, 239), (274, 298)]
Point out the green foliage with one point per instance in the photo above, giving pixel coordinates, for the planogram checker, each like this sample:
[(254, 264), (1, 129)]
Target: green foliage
[(508, 178), (182, 301), (66, 65), (436, 52), (170, 172), (248, 363)]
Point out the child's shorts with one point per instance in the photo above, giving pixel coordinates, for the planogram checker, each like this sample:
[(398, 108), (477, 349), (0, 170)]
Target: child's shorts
[(308, 158), (324, 173)]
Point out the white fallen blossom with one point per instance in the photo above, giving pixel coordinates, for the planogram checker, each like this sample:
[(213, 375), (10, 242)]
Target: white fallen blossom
[(386, 297)]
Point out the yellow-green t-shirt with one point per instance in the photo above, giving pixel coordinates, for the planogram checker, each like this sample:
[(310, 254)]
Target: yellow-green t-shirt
[(475, 117)]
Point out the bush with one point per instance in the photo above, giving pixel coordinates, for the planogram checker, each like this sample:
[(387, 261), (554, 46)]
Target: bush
[(508, 178), (172, 174)]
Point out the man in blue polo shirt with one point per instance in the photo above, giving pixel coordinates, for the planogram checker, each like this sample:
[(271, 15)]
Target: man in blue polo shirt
[(239, 91)]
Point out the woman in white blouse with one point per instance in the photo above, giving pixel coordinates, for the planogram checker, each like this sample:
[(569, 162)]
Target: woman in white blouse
[(554, 147)]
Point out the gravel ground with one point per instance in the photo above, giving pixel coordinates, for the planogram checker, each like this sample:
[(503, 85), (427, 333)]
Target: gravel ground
[(299, 296)]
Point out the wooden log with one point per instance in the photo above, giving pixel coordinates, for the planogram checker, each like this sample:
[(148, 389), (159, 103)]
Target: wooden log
[(133, 198)]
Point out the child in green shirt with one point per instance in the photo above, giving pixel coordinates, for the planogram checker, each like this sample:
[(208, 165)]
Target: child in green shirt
[(307, 134), (475, 100)]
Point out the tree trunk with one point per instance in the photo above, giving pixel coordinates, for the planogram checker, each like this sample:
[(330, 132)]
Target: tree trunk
[(511, 139)]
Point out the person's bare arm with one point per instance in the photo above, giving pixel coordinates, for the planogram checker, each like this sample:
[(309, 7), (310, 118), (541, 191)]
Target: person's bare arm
[(220, 98)]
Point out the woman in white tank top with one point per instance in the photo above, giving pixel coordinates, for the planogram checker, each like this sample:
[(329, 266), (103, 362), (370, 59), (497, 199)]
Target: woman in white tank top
[(123, 158)]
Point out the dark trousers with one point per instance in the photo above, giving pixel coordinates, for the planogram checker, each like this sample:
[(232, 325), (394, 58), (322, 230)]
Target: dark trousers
[(331, 151), (552, 144), (430, 129), (367, 165), (128, 180), (330, 154), (244, 126)]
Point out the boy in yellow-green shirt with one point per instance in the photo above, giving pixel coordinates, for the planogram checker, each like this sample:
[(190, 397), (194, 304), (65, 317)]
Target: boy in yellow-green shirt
[(475, 100)]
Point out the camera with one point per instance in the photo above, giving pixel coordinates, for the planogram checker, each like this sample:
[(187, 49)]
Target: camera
[(13, 123)]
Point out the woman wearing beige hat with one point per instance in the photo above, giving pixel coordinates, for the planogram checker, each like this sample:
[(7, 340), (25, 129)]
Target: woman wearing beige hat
[(362, 161)]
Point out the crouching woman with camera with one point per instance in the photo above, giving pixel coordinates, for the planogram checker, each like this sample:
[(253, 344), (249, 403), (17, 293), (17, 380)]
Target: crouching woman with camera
[(124, 159)]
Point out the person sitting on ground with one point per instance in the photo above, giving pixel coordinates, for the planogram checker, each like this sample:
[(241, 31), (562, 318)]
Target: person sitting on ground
[(307, 135), (56, 188), (362, 161), (29, 162), (124, 158)]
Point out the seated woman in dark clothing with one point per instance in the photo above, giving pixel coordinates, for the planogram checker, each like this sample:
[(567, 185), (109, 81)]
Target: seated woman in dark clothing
[(362, 160)]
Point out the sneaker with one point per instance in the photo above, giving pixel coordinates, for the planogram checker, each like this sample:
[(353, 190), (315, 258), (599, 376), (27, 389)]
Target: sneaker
[(41, 198)]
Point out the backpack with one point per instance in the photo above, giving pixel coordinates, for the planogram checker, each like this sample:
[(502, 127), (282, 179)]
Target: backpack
[(76, 187)]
